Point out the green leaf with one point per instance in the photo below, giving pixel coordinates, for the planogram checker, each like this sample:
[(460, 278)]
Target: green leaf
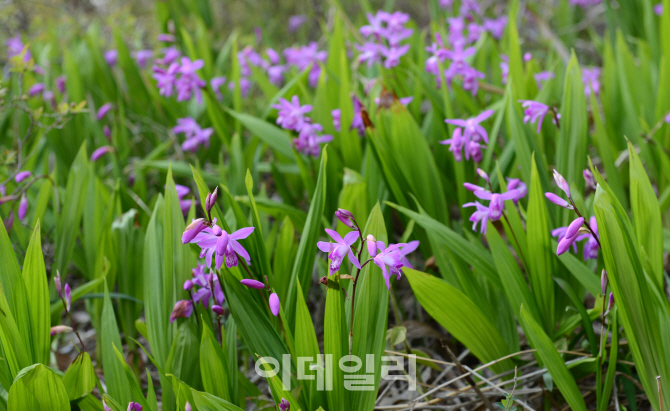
[(37, 388), (586, 320), (208, 402), (67, 226), (611, 368), (572, 142), (461, 317), (213, 366), (262, 258), (646, 216), (117, 384), (642, 309), (35, 278), (335, 341), (80, 377), (277, 387), (549, 356), (270, 134), (541, 260), (304, 260)]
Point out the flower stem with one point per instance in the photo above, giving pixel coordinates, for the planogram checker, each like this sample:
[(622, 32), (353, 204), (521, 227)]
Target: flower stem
[(516, 241), (353, 292), (586, 222), (74, 326)]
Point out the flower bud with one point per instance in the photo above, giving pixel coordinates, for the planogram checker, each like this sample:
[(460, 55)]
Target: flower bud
[(9, 222), (183, 309), (483, 174), (192, 230), (561, 183), (68, 297), (218, 310), (558, 200), (101, 152), (588, 177), (188, 284), (22, 175), (211, 199), (274, 304), (372, 245), (253, 284), (345, 217), (133, 406), (610, 305), (23, 207), (57, 280), (216, 230), (60, 329), (573, 228), (284, 405), (603, 281)]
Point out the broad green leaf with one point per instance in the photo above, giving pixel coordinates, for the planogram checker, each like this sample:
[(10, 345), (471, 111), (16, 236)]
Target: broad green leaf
[(586, 320), (115, 380), (335, 342), (80, 378), (37, 388), (184, 359), (304, 260), (208, 402), (213, 366), (547, 353), (646, 216), (270, 134), (277, 387), (461, 317), (261, 258), (540, 253), (643, 312), (35, 278)]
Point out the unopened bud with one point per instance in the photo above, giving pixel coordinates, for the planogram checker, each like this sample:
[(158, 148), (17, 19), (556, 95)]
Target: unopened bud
[(603, 281), (345, 217), (211, 199), (610, 305)]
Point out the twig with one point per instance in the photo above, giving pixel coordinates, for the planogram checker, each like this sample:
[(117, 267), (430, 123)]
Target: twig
[(468, 378)]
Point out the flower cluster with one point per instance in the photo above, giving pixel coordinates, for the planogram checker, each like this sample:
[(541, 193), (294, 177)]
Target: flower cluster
[(389, 259), (195, 135), (181, 76), (292, 116), (591, 79), (357, 123), (304, 57), (516, 190), (579, 229), (467, 136), (534, 112), (458, 67), (203, 287), (384, 34)]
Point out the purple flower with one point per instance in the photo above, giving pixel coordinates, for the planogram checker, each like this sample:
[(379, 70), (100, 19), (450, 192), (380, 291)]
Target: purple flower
[(3, 191), (58, 282), (339, 249), (446, 4), (357, 122), (496, 26), (543, 76), (658, 9), (504, 68), (474, 32), (371, 52), (23, 207), (667, 118), (295, 22), (393, 55), (284, 405), (534, 111), (183, 309), (392, 259), (60, 329), (291, 115), (610, 303), (133, 406), (60, 84), (216, 83), (206, 283), (276, 74), (22, 175), (518, 186), (193, 229), (103, 110), (468, 137), (107, 132), (170, 55), (37, 88), (346, 217), (68, 296), (337, 116), (472, 127), (165, 78), (591, 80), (217, 242), (101, 152), (166, 38), (142, 57), (591, 247), (111, 56), (189, 83), (561, 183), (195, 135), (496, 203), (218, 310), (308, 139), (274, 304), (558, 201), (303, 57), (15, 46), (253, 284), (588, 177), (570, 235), (372, 245)]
